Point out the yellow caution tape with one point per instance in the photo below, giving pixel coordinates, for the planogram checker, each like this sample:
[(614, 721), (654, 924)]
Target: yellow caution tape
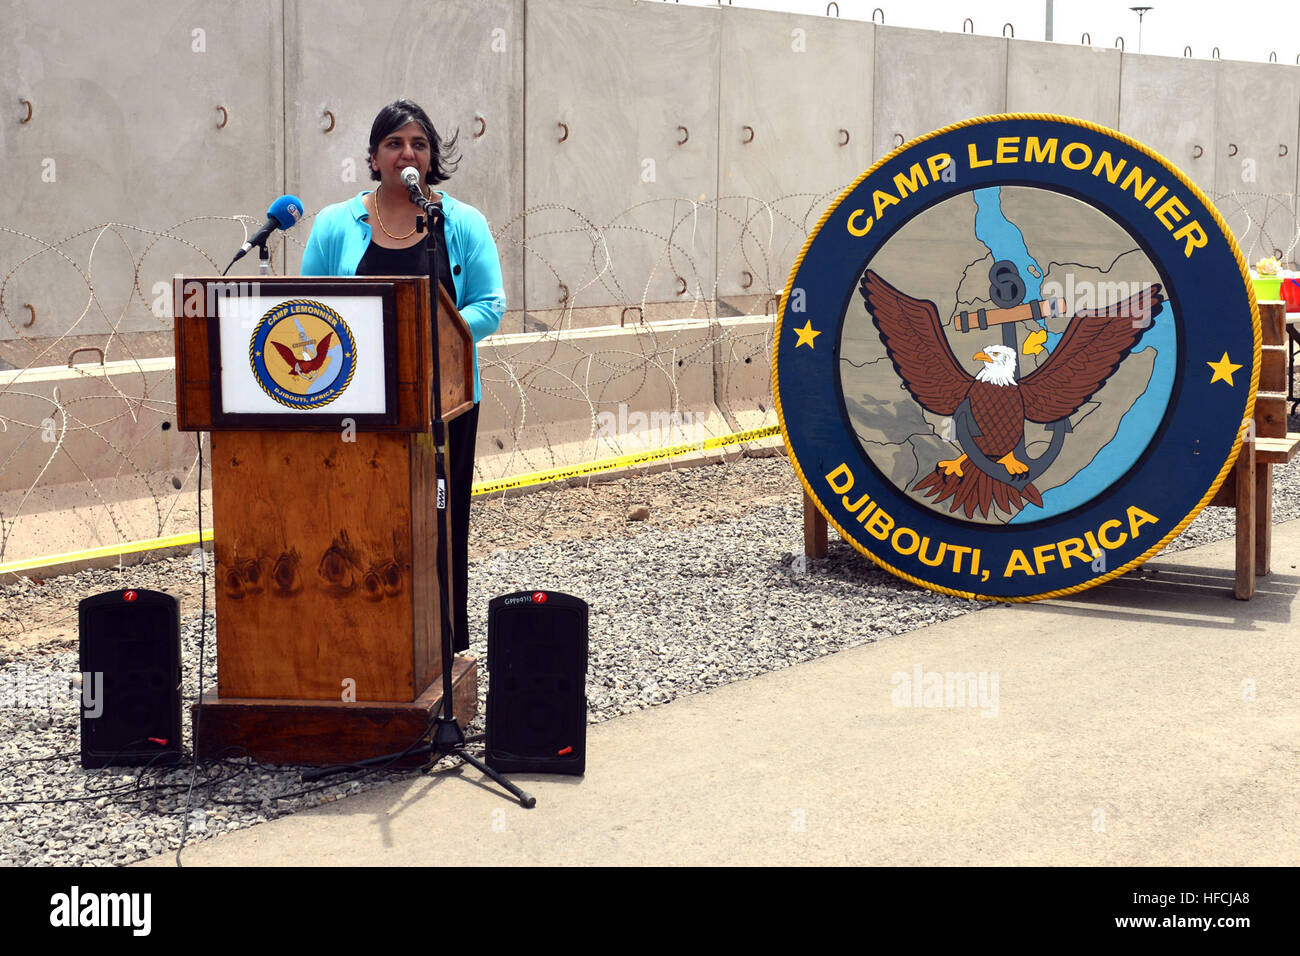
[(482, 488), (622, 461), (110, 551)]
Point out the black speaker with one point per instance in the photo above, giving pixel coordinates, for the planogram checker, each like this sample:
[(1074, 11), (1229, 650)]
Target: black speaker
[(537, 690), (131, 657)]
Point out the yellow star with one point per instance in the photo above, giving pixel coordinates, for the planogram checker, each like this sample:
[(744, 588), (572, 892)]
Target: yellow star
[(806, 335), (1223, 370)]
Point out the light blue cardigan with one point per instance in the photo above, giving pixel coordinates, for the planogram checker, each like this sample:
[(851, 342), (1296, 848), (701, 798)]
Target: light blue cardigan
[(340, 235)]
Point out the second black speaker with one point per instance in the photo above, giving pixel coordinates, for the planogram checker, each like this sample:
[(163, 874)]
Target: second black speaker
[(537, 693)]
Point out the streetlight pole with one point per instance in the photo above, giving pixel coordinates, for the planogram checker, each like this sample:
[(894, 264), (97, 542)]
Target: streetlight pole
[(1140, 11)]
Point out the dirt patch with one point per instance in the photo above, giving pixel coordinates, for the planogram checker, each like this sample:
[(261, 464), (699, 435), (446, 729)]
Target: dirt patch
[(679, 499), (41, 613)]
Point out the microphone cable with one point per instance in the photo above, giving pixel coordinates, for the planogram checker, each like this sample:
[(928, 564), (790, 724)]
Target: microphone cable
[(197, 713)]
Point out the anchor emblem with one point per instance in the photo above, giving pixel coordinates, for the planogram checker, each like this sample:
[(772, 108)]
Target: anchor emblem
[(1007, 290)]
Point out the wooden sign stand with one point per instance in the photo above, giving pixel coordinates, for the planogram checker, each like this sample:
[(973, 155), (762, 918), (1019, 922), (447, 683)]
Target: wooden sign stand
[(325, 538), (1248, 488)]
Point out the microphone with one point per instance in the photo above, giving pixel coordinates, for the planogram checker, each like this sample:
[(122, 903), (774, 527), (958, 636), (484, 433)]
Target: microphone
[(284, 213), (411, 176)]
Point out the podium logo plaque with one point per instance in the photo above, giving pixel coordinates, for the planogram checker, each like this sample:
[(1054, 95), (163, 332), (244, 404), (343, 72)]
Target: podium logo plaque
[(303, 354), (296, 355)]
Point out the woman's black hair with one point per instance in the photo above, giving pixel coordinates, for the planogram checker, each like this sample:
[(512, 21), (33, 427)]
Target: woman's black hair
[(396, 115)]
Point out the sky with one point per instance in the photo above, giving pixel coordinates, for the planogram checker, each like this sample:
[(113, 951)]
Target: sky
[(1251, 31)]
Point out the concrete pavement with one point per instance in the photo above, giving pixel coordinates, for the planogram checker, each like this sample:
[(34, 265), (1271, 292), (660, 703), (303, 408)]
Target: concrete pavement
[(1153, 720)]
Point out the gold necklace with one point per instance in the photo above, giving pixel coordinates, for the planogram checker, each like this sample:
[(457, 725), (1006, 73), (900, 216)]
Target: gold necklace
[(381, 218)]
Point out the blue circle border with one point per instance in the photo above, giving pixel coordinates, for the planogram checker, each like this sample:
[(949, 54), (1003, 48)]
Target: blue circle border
[(1192, 449)]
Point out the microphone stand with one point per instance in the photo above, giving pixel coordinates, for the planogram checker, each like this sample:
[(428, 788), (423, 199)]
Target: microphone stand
[(448, 738), (263, 259)]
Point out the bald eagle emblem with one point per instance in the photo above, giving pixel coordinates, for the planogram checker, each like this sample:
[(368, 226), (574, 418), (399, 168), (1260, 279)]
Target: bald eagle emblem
[(991, 408), (308, 364)]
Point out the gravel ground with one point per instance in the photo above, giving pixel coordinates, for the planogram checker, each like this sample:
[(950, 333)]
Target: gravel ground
[(696, 596), (684, 498)]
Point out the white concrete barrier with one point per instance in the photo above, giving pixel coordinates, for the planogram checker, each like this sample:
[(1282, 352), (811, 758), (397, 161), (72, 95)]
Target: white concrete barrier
[(90, 456)]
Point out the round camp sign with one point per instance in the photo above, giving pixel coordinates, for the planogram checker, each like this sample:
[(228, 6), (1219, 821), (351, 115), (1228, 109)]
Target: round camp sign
[(1016, 357)]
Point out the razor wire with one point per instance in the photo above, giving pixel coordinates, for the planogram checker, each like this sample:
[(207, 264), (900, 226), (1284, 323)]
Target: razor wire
[(595, 374), (90, 444)]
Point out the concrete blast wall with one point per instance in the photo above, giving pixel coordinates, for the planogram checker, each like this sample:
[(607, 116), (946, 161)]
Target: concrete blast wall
[(647, 168), (624, 153)]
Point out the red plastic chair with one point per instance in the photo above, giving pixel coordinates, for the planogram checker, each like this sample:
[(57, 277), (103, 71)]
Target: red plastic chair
[(1291, 294)]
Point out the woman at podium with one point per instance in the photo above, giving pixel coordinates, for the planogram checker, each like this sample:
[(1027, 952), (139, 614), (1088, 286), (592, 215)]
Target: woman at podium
[(345, 242)]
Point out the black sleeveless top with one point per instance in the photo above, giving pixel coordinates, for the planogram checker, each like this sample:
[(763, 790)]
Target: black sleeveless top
[(411, 261)]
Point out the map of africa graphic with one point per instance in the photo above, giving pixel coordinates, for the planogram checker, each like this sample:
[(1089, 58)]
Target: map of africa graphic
[(1061, 247)]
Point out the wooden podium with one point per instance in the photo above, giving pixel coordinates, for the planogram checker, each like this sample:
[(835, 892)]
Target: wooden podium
[(325, 524)]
